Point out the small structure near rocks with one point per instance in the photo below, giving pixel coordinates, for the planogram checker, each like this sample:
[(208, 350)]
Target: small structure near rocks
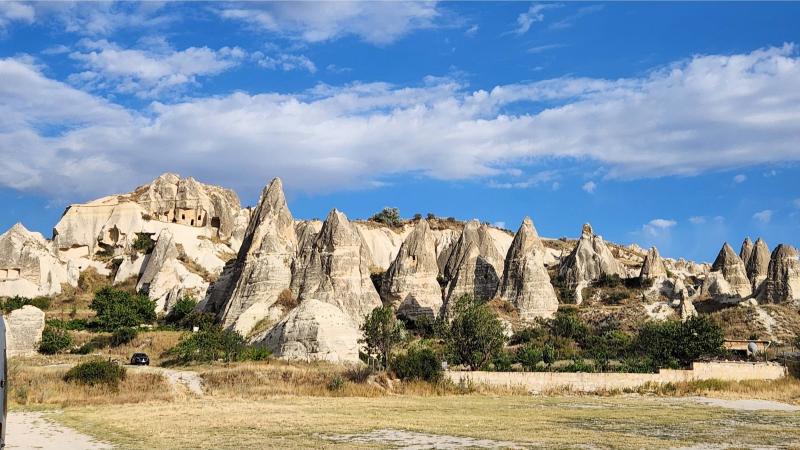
[(24, 327)]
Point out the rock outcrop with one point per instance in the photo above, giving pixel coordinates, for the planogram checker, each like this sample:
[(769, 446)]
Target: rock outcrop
[(746, 251), (315, 330), (783, 276), (166, 279), (383, 242), (24, 329), (337, 269), (410, 285), (731, 268), (687, 310), (307, 232), (589, 261), (263, 268), (758, 264), (653, 267), (29, 267), (475, 266), (526, 283)]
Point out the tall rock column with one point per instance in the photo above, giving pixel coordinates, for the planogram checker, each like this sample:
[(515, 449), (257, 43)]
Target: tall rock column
[(410, 284), (263, 267), (589, 260), (337, 270), (758, 264), (746, 251), (653, 267), (731, 269), (474, 267), (783, 276), (526, 283)]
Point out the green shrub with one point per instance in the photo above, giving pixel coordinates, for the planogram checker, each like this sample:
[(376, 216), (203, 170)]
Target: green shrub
[(336, 383), (213, 344), (528, 334), (529, 356), (116, 308), (96, 372), (201, 320), (122, 336), (568, 324), (358, 374), (144, 243), (501, 362), (72, 324), (388, 216), (180, 311), (672, 344), (54, 340), (475, 335), (420, 363), (17, 302), (382, 332)]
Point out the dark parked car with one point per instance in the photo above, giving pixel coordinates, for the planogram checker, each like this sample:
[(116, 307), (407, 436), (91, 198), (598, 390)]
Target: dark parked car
[(140, 359)]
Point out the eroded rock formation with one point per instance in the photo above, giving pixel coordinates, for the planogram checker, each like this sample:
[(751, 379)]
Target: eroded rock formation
[(410, 284), (758, 264), (475, 266), (782, 283), (24, 329), (166, 279), (526, 283), (653, 267), (729, 267), (29, 267), (746, 251), (590, 260)]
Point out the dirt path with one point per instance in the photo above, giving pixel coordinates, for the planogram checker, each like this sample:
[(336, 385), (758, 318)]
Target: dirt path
[(35, 430), (179, 379)]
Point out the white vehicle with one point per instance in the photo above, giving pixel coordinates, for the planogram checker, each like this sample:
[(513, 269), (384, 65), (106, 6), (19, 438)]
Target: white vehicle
[(3, 382)]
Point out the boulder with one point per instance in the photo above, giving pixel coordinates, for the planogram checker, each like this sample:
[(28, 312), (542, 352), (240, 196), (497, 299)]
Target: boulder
[(29, 267), (337, 269), (263, 268), (474, 266), (315, 330), (732, 269), (758, 264), (782, 283), (166, 279), (410, 285), (526, 283), (24, 329), (589, 261), (653, 267)]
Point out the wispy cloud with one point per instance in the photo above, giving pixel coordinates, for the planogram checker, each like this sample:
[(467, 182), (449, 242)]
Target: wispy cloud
[(697, 220), (764, 216), (544, 48), (740, 178), (534, 14), (570, 20), (589, 187), (658, 227)]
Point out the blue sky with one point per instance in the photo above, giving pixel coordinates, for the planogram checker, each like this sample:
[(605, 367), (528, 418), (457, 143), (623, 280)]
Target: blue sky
[(668, 124)]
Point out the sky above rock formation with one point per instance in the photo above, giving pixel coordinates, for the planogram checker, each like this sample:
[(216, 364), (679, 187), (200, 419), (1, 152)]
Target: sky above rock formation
[(669, 124)]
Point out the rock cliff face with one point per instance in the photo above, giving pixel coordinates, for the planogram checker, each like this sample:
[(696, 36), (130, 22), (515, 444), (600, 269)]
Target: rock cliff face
[(653, 267), (475, 266), (746, 251), (731, 268), (165, 279), (315, 330), (29, 267), (24, 329), (526, 283), (337, 269), (263, 268), (410, 285), (758, 264), (687, 310), (590, 260), (783, 276)]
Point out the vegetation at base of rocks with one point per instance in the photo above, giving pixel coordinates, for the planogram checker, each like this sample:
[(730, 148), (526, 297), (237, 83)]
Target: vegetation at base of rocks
[(286, 300), (419, 363), (71, 324), (336, 384), (115, 308), (475, 334), (17, 302), (122, 336), (144, 243), (376, 276), (90, 280), (382, 333), (182, 308), (54, 340), (388, 216), (215, 344), (96, 371), (104, 254)]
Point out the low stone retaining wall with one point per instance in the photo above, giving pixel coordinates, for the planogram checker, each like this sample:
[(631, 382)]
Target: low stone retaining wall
[(591, 382)]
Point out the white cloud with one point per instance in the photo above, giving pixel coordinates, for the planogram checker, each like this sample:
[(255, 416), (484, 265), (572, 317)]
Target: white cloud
[(532, 15), (284, 61), (148, 73), (544, 48), (704, 114), (740, 178), (589, 187), (15, 12), (796, 203), (543, 177), (472, 30), (374, 22), (697, 220), (764, 216), (658, 227)]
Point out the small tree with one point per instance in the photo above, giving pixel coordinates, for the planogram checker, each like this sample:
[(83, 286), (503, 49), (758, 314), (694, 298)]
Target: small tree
[(180, 310), (382, 332), (388, 216), (475, 335), (144, 243), (116, 308), (54, 340)]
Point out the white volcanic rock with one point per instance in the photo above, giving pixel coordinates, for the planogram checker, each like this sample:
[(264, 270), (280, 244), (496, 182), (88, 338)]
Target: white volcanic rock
[(526, 283), (263, 268), (758, 264), (746, 251), (306, 235), (337, 269), (24, 329), (715, 285), (383, 242), (590, 260), (783, 276), (29, 267), (165, 279), (653, 267), (315, 330), (131, 266), (475, 266), (687, 309), (446, 241), (410, 285), (733, 271)]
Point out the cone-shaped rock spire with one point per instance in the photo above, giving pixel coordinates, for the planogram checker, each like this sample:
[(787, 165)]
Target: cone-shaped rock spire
[(653, 266), (783, 276)]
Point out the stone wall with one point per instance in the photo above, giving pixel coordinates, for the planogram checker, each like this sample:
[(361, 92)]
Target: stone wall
[(590, 382)]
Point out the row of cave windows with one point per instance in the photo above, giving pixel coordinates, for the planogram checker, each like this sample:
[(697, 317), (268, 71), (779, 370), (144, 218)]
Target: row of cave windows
[(9, 274), (169, 217)]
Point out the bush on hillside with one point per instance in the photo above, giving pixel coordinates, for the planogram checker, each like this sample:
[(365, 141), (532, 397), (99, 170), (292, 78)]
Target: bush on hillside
[(388, 216), (420, 363), (144, 243), (54, 340), (382, 332), (116, 309), (96, 372), (122, 336), (475, 334), (17, 302), (180, 311), (215, 344)]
